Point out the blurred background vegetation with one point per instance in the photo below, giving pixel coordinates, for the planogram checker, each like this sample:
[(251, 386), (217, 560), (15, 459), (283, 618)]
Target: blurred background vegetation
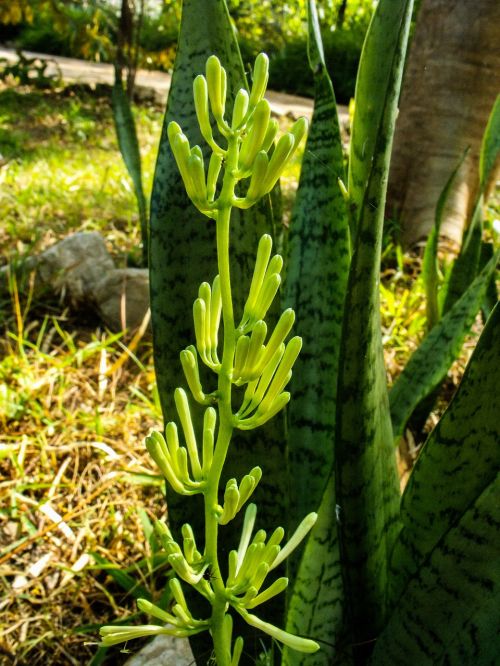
[(88, 29)]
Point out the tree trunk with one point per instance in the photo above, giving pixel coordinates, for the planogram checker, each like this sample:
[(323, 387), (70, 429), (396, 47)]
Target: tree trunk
[(451, 82)]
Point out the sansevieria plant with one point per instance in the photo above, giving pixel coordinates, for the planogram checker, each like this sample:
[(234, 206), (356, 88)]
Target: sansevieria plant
[(252, 369)]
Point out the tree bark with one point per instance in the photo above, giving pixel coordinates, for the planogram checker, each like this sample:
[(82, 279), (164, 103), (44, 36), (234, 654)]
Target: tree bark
[(451, 82)]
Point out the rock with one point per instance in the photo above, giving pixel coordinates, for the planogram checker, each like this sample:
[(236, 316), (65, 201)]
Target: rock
[(164, 651), (121, 298), (74, 266)]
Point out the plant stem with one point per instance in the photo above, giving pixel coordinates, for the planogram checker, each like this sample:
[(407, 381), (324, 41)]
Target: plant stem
[(222, 650)]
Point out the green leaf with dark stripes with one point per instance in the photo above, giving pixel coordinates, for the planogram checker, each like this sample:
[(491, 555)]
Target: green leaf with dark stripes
[(316, 607), (183, 255), (318, 263), (459, 460), (129, 148), (490, 146), (445, 599), (430, 260), (316, 280), (428, 365), (367, 486), (491, 296), (465, 266)]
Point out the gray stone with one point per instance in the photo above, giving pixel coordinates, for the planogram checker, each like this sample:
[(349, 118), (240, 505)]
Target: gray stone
[(74, 266), (121, 298), (164, 651)]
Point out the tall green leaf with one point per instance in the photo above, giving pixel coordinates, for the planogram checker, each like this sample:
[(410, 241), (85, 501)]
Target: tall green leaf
[(129, 148), (318, 263), (182, 256), (316, 280), (467, 263), (366, 478), (490, 146), (427, 367), (430, 260), (445, 562)]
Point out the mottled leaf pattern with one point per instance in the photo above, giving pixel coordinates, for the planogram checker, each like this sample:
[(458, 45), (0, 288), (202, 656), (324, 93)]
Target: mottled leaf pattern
[(458, 462), (316, 607), (367, 483), (315, 288), (444, 598), (430, 362), (318, 262)]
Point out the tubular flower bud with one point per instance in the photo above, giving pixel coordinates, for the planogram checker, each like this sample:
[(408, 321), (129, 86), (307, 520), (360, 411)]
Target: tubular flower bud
[(182, 405), (259, 273), (178, 563), (282, 329), (255, 136), (278, 161), (206, 316), (299, 535), (237, 651), (260, 78), (259, 170), (295, 642), (248, 484), (168, 464), (196, 169), (209, 420), (214, 167), (181, 150), (240, 108), (231, 501), (200, 94), (189, 364), (276, 588), (216, 83), (272, 130)]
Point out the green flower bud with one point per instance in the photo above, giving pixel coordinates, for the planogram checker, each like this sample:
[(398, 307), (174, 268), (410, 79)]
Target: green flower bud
[(113, 635), (282, 329), (197, 172), (232, 567), (183, 615), (189, 364), (240, 108), (256, 389), (278, 161), (261, 263), (216, 83), (214, 167), (182, 405), (260, 78), (200, 94), (299, 535), (237, 651), (246, 532), (255, 347), (259, 170), (267, 294), (240, 358), (295, 642), (199, 318), (181, 150), (178, 563), (215, 315), (231, 500), (157, 449), (263, 417), (248, 484), (209, 420), (283, 374), (272, 130), (147, 607), (255, 136), (259, 575), (276, 588)]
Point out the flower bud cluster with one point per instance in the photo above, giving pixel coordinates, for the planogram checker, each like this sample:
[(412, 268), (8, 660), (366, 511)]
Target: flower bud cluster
[(251, 125)]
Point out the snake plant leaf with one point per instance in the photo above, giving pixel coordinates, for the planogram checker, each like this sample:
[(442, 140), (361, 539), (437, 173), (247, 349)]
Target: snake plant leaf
[(318, 263), (491, 296), (449, 595), (316, 606), (367, 486), (463, 447), (490, 146), (465, 267), (427, 367), (129, 148), (182, 256), (315, 287), (430, 259)]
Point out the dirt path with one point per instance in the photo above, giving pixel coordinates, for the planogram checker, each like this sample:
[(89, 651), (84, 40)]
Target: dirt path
[(157, 84)]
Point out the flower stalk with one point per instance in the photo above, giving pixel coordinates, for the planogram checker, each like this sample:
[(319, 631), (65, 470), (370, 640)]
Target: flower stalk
[(247, 359)]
